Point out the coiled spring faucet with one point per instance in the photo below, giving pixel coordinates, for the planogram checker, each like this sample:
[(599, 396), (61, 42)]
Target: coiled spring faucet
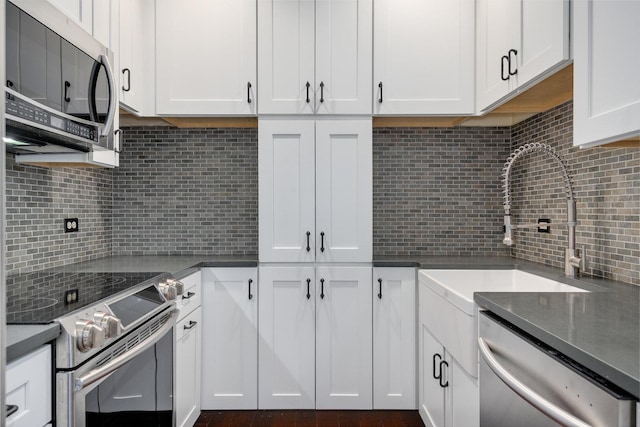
[(572, 262)]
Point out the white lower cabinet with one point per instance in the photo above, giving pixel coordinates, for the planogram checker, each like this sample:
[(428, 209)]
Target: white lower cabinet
[(229, 338), (394, 338), (188, 372), (448, 396), (287, 367), (28, 386), (315, 337), (188, 352)]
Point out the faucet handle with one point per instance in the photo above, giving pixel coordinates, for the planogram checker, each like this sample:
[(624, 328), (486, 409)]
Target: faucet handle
[(583, 259)]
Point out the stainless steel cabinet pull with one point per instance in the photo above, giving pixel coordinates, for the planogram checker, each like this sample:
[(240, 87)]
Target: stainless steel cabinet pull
[(549, 409), (446, 364), (321, 92), (308, 285), (249, 92), (128, 72), (504, 58), (308, 85), (189, 295), (308, 236), (322, 288), (515, 54), (380, 86), (11, 409), (322, 241), (192, 324), (380, 291), (250, 294)]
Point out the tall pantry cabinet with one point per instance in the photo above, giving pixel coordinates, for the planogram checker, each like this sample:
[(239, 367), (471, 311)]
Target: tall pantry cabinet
[(315, 203)]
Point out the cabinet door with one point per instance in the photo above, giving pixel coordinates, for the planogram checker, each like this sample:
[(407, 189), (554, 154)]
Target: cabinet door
[(188, 354), (544, 39), (28, 386), (343, 56), (344, 190), (79, 11), (286, 191), (464, 397), (424, 57), (229, 338), (136, 57), (286, 56), (394, 338), (497, 33), (606, 69), (287, 365), (431, 394), (343, 338), (206, 57)]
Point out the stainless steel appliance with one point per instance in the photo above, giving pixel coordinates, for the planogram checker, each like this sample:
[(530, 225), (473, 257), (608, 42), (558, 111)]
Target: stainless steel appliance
[(60, 98), (114, 357), (526, 383)]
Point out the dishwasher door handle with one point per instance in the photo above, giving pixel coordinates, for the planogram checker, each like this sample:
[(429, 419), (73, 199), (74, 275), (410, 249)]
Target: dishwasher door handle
[(557, 414)]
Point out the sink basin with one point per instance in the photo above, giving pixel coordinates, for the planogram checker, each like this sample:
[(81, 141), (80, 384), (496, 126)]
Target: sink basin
[(446, 304), (458, 286)]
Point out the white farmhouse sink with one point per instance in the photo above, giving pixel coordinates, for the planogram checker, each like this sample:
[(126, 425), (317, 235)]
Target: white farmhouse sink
[(447, 307)]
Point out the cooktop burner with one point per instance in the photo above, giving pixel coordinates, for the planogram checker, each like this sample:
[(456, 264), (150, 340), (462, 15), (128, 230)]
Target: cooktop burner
[(41, 297)]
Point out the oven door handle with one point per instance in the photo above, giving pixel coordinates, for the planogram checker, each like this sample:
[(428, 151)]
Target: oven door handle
[(119, 361), (549, 409)]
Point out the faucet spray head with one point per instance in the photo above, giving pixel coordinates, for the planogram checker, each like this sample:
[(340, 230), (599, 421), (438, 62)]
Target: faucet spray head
[(508, 238)]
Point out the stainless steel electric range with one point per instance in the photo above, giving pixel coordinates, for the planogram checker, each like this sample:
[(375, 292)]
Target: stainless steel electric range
[(114, 357)]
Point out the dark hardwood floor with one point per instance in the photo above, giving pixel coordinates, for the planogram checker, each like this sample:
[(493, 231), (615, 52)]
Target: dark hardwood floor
[(295, 418)]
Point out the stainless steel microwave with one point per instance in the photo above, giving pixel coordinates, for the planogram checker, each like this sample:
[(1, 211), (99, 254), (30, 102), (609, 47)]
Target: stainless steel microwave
[(60, 97)]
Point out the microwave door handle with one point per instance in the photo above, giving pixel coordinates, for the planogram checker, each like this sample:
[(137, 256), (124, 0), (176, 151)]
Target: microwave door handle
[(119, 361), (108, 124), (549, 409)]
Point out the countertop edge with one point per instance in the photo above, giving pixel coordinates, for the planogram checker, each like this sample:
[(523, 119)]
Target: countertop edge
[(620, 379), (23, 339)]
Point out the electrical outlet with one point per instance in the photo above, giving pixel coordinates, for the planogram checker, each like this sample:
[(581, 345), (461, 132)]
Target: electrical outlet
[(542, 227), (70, 297), (71, 225)]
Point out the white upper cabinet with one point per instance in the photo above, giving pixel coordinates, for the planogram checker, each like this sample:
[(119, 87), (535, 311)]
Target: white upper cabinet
[(424, 57), (314, 57), (315, 190), (136, 56), (606, 89), (80, 11), (206, 57), (518, 44)]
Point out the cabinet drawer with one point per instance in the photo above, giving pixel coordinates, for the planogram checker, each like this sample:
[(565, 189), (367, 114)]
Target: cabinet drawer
[(28, 386), (192, 296)]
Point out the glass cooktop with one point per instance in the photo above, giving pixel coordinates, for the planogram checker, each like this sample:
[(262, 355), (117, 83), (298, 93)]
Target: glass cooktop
[(40, 297)]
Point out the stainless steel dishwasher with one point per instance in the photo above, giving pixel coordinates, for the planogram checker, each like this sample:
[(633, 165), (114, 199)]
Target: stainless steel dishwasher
[(526, 383)]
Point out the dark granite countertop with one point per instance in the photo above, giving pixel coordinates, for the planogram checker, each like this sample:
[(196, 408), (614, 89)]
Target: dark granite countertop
[(23, 339)]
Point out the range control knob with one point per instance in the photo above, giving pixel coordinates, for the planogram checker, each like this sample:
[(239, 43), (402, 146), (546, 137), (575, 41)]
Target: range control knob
[(177, 284), (88, 335), (171, 288), (110, 323)]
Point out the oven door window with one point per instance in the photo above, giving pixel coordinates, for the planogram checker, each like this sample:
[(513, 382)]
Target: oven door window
[(137, 394)]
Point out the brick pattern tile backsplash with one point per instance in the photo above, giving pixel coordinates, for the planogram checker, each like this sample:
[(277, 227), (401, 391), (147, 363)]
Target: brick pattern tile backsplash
[(606, 183), (436, 191), (186, 191), (38, 201)]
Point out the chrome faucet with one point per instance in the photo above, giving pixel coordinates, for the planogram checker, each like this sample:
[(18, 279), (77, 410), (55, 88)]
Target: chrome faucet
[(572, 261)]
